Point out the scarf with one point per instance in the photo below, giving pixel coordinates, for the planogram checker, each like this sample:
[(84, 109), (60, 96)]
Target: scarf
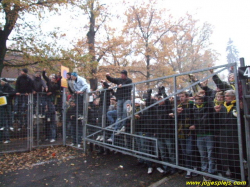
[(229, 106), (199, 106), (216, 102)]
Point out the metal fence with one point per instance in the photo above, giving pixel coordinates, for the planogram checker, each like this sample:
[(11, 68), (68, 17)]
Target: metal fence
[(189, 121)]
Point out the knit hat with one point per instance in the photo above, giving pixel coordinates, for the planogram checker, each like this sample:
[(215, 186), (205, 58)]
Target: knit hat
[(69, 73), (74, 74), (124, 72), (25, 70)]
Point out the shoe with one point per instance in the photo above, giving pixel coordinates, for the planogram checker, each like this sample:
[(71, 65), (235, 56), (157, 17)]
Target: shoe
[(12, 129), (123, 129), (19, 129), (195, 174), (102, 138), (41, 116), (80, 117), (34, 116), (173, 171), (46, 140), (79, 145), (2, 128), (228, 173), (72, 144), (98, 138), (110, 140), (52, 140), (150, 171), (205, 178), (7, 141), (188, 175), (160, 170)]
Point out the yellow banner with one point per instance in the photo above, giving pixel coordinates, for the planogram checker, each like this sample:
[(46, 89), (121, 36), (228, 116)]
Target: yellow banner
[(3, 101), (64, 71)]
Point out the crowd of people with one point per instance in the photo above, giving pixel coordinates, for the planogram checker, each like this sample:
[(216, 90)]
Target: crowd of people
[(207, 126)]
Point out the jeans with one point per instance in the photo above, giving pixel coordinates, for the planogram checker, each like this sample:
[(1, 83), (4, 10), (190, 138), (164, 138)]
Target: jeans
[(168, 143), (205, 145), (144, 145), (121, 112), (76, 136), (20, 108), (41, 104), (5, 121), (112, 115), (187, 149), (50, 123)]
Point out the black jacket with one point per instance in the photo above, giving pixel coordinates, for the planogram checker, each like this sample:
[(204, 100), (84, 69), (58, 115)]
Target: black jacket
[(39, 84), (7, 91), (24, 84), (124, 92), (204, 121), (52, 87)]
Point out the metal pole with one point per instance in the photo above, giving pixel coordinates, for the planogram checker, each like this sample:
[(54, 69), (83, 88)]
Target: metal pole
[(77, 114), (64, 116), (132, 129), (86, 99), (37, 120), (176, 124), (246, 120), (104, 113), (239, 124)]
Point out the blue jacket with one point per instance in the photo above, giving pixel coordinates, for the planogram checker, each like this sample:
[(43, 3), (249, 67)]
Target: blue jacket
[(81, 85)]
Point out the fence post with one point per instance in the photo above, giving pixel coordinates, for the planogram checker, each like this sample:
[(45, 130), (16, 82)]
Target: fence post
[(132, 130), (85, 120), (176, 124), (64, 116), (246, 110), (239, 124)]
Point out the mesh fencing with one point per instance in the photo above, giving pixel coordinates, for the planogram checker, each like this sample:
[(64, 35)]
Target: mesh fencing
[(188, 121)]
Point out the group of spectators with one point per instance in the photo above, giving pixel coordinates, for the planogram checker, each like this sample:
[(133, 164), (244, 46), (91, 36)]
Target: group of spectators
[(207, 127)]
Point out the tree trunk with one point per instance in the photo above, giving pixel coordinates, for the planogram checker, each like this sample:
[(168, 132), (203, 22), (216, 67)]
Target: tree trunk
[(91, 45), (3, 49)]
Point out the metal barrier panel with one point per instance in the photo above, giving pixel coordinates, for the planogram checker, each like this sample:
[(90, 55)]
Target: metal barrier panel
[(15, 124), (47, 120), (190, 121)]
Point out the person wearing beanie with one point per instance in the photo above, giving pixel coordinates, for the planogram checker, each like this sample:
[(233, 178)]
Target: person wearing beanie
[(24, 87), (123, 96), (81, 87), (70, 83)]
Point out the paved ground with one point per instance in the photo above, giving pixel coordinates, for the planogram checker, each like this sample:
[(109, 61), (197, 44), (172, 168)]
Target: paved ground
[(111, 170)]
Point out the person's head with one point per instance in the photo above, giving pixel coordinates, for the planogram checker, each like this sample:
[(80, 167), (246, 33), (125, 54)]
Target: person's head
[(231, 78), (58, 74), (199, 99), (202, 92), (112, 100), (105, 85), (158, 97), (38, 74), (229, 96), (184, 97), (24, 71), (74, 76), (53, 78), (124, 74), (68, 75), (3, 81), (137, 102), (72, 103), (219, 96)]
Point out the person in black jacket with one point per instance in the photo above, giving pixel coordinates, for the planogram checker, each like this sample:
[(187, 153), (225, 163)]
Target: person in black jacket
[(24, 87), (53, 87), (39, 88), (123, 96), (5, 119), (204, 128), (227, 115)]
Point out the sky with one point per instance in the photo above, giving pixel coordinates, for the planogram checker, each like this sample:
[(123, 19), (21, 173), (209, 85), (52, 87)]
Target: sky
[(229, 18)]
